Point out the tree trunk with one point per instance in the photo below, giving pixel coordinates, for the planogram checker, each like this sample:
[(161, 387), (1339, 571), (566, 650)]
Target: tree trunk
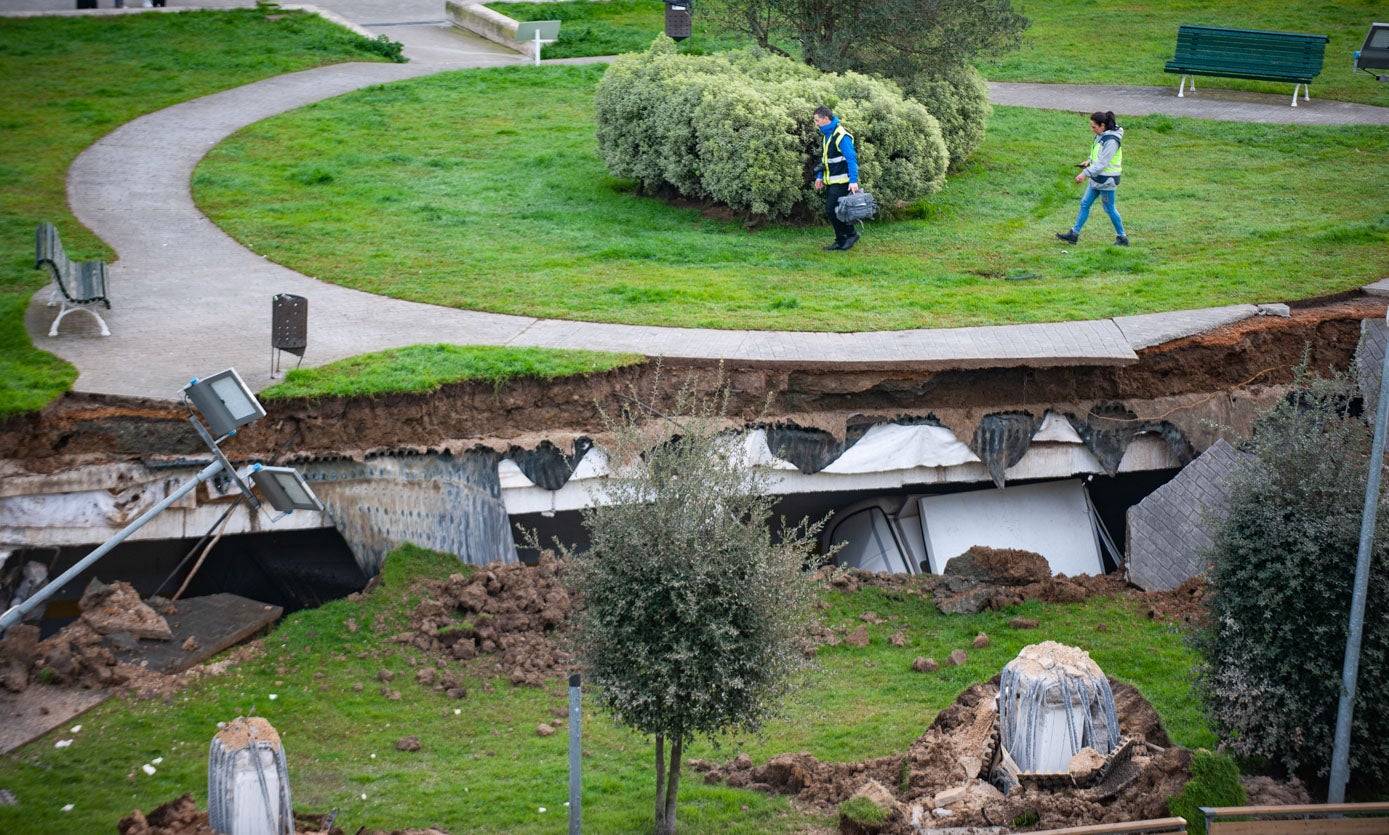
[(660, 783), (673, 789), (667, 785)]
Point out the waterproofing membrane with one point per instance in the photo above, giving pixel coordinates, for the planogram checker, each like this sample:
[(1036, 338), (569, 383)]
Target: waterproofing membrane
[(811, 450), (546, 466), (1002, 439), (1109, 428)]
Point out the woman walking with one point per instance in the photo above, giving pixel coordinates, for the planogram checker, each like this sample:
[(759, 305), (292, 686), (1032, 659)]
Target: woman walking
[(1102, 169)]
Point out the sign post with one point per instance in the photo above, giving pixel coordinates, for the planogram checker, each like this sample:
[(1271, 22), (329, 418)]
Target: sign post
[(538, 32)]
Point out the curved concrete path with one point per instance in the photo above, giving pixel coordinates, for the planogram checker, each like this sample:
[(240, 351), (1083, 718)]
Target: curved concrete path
[(188, 300)]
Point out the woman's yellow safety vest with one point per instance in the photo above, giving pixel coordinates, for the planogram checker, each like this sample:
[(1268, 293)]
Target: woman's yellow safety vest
[(1116, 163)]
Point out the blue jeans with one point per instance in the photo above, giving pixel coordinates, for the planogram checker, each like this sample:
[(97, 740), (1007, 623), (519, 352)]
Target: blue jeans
[(1106, 200)]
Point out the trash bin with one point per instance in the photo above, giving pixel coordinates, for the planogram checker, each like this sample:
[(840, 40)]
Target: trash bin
[(678, 22), (289, 328)]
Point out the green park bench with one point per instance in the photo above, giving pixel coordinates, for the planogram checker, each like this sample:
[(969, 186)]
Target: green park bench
[(1247, 53), (78, 286)]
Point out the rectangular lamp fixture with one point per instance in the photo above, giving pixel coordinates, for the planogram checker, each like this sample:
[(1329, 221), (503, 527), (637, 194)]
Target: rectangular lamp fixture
[(285, 489), (224, 402)]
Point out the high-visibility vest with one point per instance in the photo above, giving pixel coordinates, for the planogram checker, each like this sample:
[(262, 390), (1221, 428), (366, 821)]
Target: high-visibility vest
[(1116, 163), (836, 168)]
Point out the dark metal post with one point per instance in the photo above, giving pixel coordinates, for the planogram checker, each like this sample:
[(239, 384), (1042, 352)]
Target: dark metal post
[(576, 749), (1340, 754)]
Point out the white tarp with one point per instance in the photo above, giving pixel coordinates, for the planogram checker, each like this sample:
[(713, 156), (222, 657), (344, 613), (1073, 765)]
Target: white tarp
[(1051, 519), (891, 446)]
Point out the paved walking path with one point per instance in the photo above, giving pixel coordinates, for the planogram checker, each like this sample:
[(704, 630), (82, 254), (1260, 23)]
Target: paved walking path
[(188, 300)]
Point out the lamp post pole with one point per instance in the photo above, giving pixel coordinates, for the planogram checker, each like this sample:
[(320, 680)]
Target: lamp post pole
[(1340, 754), (13, 616)]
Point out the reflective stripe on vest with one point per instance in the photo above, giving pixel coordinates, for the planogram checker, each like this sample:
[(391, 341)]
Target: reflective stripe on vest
[(836, 168), (1116, 163)]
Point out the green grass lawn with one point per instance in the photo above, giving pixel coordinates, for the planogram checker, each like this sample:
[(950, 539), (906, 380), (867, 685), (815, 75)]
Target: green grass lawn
[(1224, 213), (1091, 42), (612, 27), (487, 193), (420, 369), (484, 769), (65, 82), (1129, 41)]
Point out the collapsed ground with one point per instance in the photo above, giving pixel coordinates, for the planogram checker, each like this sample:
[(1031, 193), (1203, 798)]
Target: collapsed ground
[(1220, 376), (1224, 374)]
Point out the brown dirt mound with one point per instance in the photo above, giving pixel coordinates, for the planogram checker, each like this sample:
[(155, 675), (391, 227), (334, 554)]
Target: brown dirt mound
[(183, 817), (507, 612), (937, 782)]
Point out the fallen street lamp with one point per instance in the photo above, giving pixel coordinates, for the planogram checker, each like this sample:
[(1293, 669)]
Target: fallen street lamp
[(227, 404), (284, 488), (224, 401)]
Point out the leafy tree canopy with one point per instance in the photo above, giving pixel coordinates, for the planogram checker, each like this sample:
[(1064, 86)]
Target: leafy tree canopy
[(896, 38)]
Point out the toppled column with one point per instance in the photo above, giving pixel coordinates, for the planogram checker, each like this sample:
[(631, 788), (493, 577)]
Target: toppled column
[(1054, 703), (247, 783)]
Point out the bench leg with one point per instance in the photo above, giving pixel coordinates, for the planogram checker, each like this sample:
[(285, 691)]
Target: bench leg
[(1295, 86), (1181, 89), (53, 331)]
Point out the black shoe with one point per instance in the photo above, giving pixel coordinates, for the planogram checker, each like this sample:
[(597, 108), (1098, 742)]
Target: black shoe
[(1122, 240), (850, 241), (1068, 236), (838, 244)]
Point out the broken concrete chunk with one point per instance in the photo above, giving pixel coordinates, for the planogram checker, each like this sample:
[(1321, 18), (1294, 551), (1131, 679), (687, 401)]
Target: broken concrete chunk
[(119, 609), (951, 796)]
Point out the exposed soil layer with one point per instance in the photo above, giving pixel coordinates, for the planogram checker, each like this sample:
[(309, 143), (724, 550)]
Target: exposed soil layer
[(1168, 380)]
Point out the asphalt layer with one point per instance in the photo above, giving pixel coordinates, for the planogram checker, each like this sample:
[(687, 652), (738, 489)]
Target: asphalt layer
[(187, 300)]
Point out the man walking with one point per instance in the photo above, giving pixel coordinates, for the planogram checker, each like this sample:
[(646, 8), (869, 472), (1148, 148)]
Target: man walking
[(837, 174)]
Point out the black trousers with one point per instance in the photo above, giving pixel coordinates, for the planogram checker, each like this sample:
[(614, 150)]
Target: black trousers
[(842, 230)]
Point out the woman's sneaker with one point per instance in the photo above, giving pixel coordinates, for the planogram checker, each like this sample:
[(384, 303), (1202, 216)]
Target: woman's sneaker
[(1122, 240), (1068, 236)]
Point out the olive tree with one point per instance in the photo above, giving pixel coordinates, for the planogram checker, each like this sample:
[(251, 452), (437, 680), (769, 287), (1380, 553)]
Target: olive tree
[(692, 617), (1282, 571), (928, 49), (896, 38)]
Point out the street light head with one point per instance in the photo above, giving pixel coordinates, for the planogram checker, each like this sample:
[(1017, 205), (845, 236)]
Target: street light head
[(285, 489), (224, 401)]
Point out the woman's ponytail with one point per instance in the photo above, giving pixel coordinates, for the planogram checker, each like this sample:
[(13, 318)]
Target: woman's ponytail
[(1105, 119)]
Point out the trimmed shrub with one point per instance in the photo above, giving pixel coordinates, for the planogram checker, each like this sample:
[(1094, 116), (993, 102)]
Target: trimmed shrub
[(1282, 571), (959, 99), (737, 129)]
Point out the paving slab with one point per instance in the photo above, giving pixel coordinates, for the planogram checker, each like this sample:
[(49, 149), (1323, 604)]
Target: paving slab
[(1209, 102), (1156, 328)]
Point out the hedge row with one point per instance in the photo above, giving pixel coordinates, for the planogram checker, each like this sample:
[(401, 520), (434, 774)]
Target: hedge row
[(736, 128)]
